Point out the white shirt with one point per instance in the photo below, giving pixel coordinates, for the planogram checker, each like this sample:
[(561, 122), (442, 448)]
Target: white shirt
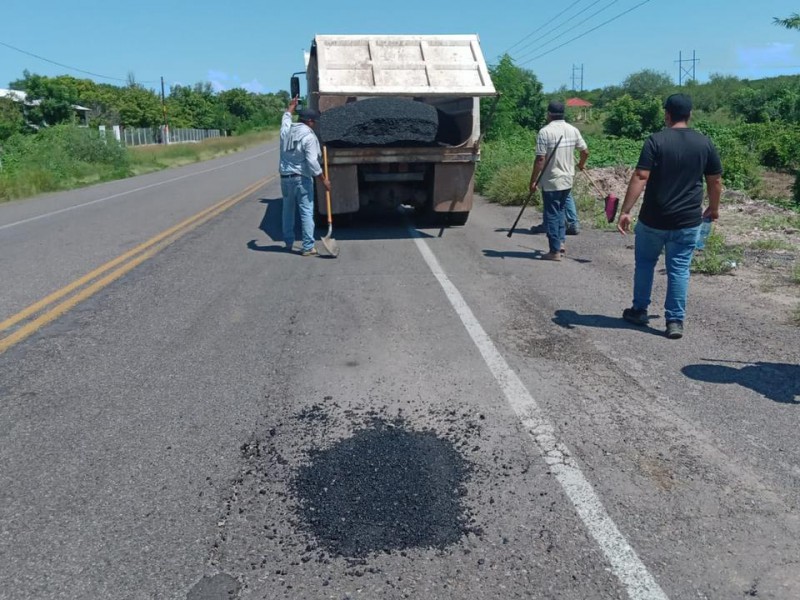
[(561, 170)]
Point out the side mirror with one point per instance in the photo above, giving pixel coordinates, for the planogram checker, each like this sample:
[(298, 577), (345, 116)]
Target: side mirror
[(294, 86)]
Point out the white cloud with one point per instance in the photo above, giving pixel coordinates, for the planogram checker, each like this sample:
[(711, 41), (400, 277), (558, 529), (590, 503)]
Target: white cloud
[(221, 81), (254, 86)]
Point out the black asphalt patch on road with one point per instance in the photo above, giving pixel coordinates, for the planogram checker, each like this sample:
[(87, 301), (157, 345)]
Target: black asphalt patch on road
[(386, 488), (380, 122)]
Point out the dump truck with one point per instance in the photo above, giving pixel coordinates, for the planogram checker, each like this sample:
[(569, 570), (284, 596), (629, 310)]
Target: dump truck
[(446, 71)]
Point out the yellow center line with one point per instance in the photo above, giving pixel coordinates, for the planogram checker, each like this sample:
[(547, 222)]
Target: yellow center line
[(145, 251)]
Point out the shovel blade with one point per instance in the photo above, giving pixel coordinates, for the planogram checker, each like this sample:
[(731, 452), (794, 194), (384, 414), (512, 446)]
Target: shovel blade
[(330, 246)]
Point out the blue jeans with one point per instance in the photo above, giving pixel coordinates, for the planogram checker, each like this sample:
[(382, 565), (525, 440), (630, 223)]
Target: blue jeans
[(679, 244), (298, 191), (555, 217), (572, 213)]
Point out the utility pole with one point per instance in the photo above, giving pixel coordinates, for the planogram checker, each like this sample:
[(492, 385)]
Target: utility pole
[(574, 77), (164, 110), (688, 71)]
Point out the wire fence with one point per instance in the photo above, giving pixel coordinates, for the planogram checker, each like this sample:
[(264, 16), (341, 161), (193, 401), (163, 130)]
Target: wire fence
[(143, 136)]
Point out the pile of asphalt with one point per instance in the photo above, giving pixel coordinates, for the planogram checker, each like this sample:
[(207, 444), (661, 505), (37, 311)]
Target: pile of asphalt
[(386, 488), (380, 122)]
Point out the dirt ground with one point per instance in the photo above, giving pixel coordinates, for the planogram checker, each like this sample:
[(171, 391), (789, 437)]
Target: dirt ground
[(768, 235)]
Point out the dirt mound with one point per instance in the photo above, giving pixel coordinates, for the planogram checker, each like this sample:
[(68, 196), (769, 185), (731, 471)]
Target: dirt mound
[(608, 180)]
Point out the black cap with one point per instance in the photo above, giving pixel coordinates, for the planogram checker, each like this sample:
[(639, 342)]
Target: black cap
[(308, 114), (679, 106), (555, 108)]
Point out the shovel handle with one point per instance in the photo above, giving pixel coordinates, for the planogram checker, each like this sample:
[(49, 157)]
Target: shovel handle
[(596, 189), (327, 191)]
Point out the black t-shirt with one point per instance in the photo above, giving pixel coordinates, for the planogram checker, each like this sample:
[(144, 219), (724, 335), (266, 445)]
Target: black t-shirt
[(677, 159)]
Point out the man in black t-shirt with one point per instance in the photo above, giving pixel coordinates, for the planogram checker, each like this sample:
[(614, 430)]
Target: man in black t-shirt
[(672, 165)]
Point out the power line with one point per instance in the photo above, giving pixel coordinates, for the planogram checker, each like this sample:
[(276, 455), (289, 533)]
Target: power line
[(563, 33), (586, 32), (543, 26), (65, 66)]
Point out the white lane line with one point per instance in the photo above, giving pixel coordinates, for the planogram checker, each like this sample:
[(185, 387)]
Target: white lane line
[(145, 187), (626, 565)]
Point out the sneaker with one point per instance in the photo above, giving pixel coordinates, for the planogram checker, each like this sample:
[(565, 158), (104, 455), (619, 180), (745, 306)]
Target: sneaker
[(675, 330), (311, 252), (552, 256), (636, 316), (563, 251), (573, 230)]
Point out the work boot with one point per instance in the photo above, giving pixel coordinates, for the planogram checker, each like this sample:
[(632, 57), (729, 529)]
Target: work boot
[(573, 230), (675, 330), (556, 256), (636, 316), (311, 252)]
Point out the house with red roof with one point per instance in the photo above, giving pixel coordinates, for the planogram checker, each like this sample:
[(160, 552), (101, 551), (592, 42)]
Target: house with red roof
[(579, 107)]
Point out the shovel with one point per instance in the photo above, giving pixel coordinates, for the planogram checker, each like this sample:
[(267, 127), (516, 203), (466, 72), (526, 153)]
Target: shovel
[(330, 244), (611, 202)]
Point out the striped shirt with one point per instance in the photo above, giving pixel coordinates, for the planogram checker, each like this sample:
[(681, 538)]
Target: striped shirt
[(300, 151), (561, 170)]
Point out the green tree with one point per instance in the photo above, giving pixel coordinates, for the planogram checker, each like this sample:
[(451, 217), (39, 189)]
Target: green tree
[(139, 107), (635, 119), (792, 22), (521, 102), (239, 103), (11, 119), (193, 106), (645, 83), (50, 100)]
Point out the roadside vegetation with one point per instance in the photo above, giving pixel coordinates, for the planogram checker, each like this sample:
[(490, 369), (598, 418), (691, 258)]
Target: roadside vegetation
[(755, 125), (42, 149)]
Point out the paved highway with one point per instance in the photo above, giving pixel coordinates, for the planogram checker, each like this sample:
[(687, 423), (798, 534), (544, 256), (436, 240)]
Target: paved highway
[(189, 412)]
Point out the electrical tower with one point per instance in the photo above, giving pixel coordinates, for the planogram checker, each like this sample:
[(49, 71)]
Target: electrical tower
[(574, 77), (689, 72)]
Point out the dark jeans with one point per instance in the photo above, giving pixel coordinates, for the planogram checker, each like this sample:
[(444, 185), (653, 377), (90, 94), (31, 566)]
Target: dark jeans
[(555, 217)]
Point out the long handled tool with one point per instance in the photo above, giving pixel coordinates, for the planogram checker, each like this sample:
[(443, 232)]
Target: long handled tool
[(330, 244), (538, 179)]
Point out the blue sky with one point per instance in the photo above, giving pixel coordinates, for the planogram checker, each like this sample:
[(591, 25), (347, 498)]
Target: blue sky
[(257, 45)]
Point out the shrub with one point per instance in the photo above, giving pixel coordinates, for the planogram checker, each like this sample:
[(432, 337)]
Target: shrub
[(717, 257), (510, 185), (514, 148), (634, 119), (611, 152), (740, 169), (56, 158)]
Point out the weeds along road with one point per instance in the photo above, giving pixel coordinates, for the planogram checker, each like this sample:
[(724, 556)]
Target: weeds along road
[(427, 416)]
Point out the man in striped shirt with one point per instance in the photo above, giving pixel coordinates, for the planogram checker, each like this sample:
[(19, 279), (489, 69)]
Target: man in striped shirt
[(557, 179)]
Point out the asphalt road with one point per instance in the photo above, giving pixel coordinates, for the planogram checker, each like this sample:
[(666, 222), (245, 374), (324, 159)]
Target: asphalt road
[(434, 414)]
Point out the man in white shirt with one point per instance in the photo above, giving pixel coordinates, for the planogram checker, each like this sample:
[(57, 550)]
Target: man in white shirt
[(558, 177), (299, 164)]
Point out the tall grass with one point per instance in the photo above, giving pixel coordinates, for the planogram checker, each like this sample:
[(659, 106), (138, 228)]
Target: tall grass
[(717, 257), (66, 157), (145, 159)]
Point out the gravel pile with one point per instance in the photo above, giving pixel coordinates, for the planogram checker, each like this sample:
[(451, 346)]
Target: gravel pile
[(380, 122), (385, 488)]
